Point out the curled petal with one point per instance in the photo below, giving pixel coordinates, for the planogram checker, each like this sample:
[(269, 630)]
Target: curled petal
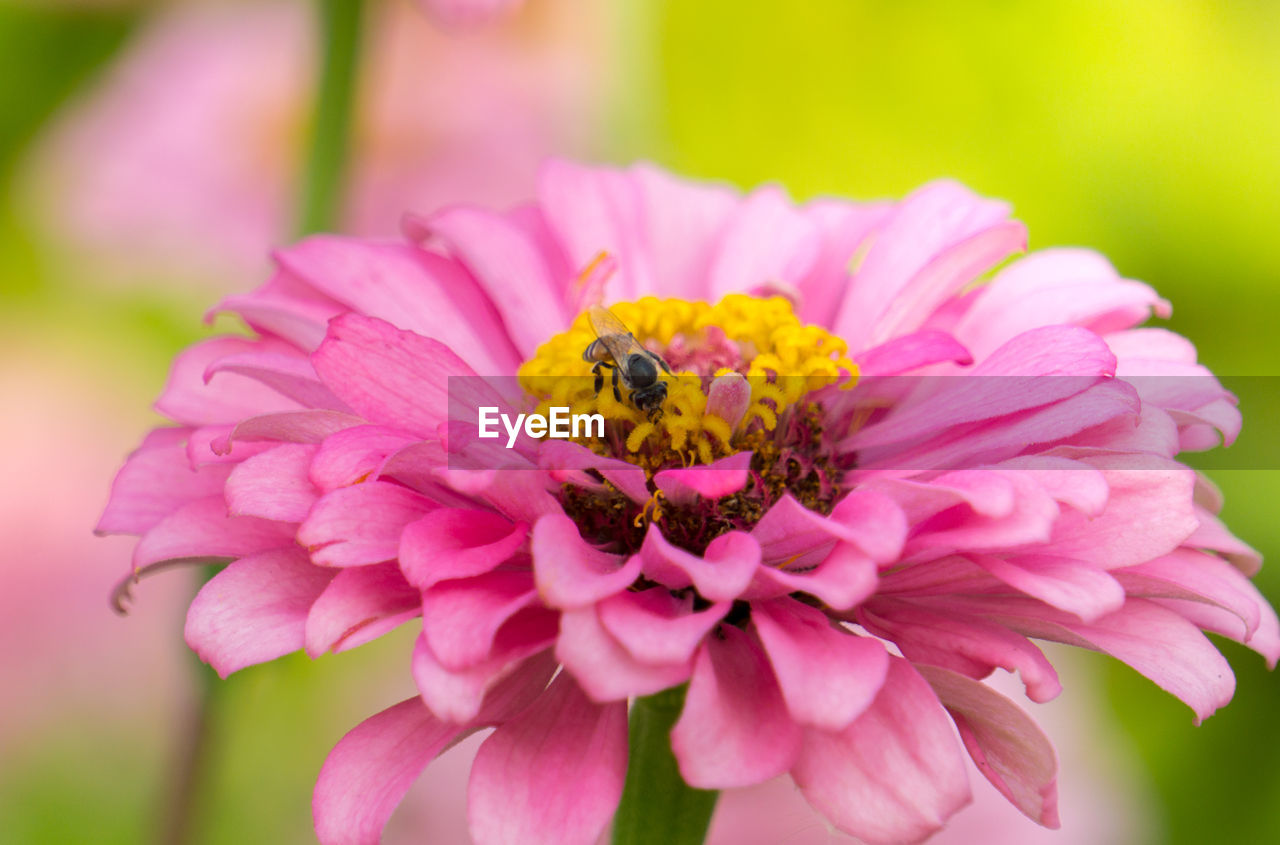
[(570, 573), (453, 543), (721, 573), (1007, 746)]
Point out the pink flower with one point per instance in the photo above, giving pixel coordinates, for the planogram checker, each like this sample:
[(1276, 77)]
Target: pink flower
[(205, 116), (467, 12), (871, 483)]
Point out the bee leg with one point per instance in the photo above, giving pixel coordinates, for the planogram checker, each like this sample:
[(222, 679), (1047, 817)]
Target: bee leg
[(617, 394), (655, 356), (596, 371)]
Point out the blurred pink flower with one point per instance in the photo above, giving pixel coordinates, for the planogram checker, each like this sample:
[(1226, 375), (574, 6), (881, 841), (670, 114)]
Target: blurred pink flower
[(204, 117), (467, 12), (65, 657), (830, 566)]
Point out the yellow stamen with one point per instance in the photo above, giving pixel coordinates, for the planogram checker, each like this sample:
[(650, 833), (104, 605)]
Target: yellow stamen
[(782, 358)]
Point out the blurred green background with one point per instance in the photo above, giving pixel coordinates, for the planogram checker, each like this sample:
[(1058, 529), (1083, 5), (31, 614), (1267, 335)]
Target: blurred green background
[(1148, 130)]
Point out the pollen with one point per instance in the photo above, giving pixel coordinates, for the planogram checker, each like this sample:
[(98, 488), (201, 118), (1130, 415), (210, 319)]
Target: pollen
[(783, 360)]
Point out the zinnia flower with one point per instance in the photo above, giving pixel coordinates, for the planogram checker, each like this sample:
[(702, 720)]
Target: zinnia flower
[(874, 480)]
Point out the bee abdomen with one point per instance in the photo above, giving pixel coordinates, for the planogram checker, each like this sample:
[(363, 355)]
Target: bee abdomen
[(595, 351)]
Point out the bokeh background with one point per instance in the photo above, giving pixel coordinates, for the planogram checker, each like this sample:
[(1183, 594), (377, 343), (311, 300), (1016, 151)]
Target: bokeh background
[(150, 154)]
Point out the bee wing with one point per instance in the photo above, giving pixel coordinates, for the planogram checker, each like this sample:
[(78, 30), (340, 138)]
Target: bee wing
[(613, 333)]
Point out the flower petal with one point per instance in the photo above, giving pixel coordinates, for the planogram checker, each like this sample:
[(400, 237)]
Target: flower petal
[(734, 729), (828, 675), (255, 610), (1007, 746), (553, 774), (656, 626), (274, 484), (359, 525), (204, 529), (372, 767), (570, 573), (721, 573), (359, 605), (715, 480), (454, 543), (894, 775), (461, 618), (410, 288), (605, 670)]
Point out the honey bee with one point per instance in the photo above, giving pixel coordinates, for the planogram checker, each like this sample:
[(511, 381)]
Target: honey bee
[(616, 348)]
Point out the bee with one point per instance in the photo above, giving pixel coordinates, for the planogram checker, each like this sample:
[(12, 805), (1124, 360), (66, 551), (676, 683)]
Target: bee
[(615, 348)]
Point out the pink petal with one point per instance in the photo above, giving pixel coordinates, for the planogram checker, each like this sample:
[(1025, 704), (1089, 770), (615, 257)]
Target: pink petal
[(373, 766), (1195, 576), (843, 227), (911, 352), (288, 373), (1149, 513), (945, 275), (1007, 746), (291, 427), (286, 307), (255, 610), (354, 454), (189, 399), (367, 774), (570, 572), (452, 543), (203, 529), (920, 227), (559, 456), (960, 641), (605, 670), (456, 695), (461, 618), (359, 605), (828, 675), (153, 483), (734, 729), (592, 210), (844, 578), (765, 239), (553, 774), (894, 775), (656, 626), (355, 526), (681, 219), (1055, 287), (509, 266), (273, 485), (1036, 368), (389, 376), (720, 573), (410, 288), (715, 480), (1157, 642), (1061, 582)]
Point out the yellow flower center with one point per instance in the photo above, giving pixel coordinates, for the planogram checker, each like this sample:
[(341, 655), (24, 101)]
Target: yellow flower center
[(782, 359)]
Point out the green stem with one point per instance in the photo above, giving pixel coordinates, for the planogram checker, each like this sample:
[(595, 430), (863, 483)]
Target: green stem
[(657, 805), (331, 125), (191, 772)]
